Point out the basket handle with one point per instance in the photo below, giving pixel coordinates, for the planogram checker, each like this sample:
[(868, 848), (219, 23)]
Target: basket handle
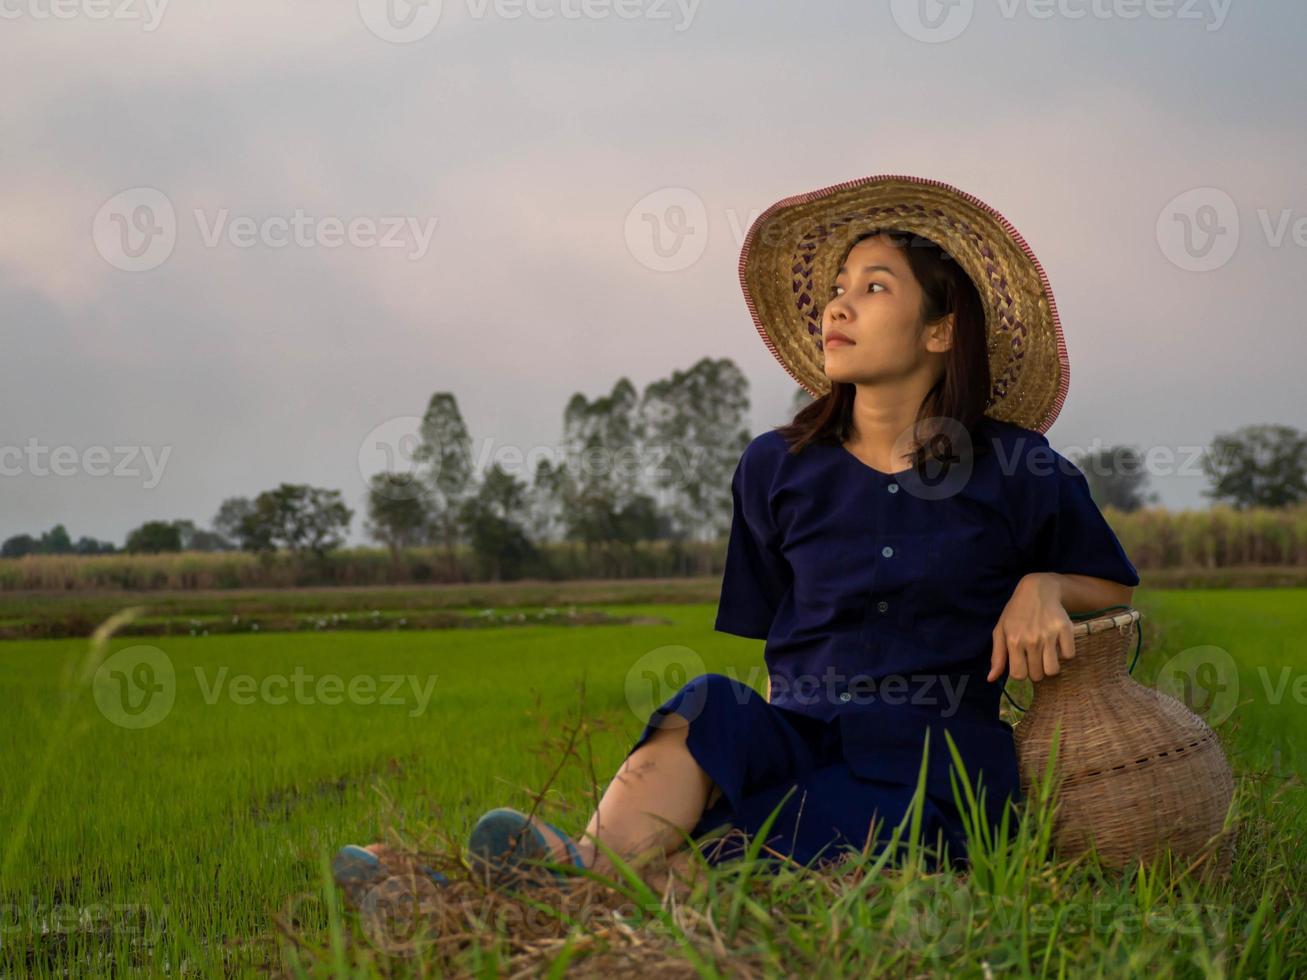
[(1139, 641)]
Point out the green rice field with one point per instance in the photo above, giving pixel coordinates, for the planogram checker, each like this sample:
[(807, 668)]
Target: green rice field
[(170, 803)]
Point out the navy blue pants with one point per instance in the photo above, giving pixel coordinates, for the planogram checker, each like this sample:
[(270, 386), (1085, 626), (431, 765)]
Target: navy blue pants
[(757, 753)]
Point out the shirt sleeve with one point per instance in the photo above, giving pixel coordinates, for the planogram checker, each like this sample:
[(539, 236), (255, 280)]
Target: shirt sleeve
[(757, 576), (1064, 530)]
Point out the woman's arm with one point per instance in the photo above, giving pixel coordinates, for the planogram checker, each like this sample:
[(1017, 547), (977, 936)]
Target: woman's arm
[(1034, 632), (1083, 593)]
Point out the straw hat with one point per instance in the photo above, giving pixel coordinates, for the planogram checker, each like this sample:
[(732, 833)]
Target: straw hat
[(793, 251)]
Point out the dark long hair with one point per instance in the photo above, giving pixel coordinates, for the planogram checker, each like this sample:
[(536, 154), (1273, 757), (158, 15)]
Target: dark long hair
[(961, 393)]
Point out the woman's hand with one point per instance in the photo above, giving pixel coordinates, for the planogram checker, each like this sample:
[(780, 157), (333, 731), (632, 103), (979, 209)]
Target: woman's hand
[(1034, 633)]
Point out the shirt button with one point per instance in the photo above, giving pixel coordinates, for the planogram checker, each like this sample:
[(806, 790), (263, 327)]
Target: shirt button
[(887, 551), (882, 605), (893, 488), (846, 696)]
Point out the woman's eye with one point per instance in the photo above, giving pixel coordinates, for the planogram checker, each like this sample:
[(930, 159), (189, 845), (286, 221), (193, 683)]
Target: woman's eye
[(869, 285)]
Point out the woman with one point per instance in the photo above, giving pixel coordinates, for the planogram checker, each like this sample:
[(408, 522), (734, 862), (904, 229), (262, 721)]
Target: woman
[(907, 542)]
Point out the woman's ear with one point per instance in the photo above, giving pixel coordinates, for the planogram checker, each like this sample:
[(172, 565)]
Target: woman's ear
[(940, 334)]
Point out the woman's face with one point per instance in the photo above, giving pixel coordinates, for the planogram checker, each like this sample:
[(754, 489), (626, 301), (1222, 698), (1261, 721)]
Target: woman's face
[(876, 303)]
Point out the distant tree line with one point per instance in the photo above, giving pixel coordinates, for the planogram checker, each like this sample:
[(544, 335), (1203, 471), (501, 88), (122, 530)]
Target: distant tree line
[(632, 466), (55, 541)]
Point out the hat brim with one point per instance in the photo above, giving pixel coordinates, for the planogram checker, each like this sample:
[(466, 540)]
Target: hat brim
[(793, 249)]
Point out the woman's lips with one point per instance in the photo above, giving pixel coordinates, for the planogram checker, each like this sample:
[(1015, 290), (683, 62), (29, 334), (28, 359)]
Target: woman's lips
[(837, 342)]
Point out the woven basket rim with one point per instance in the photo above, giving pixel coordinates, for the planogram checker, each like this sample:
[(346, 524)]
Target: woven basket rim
[(1100, 624)]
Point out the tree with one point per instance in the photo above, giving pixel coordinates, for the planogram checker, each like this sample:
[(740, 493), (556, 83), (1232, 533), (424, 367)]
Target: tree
[(229, 522), (489, 519), (396, 514), (90, 546), (305, 520), (695, 424), (1258, 466), (547, 502), (19, 545), (600, 443), (1117, 477), (56, 541), (154, 537), (444, 459)]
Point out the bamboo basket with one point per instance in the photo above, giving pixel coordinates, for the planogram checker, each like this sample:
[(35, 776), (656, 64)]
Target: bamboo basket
[(1139, 772)]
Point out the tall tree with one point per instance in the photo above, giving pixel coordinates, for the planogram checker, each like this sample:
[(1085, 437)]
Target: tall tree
[(444, 460), (547, 501), (1258, 466), (602, 457), (695, 424)]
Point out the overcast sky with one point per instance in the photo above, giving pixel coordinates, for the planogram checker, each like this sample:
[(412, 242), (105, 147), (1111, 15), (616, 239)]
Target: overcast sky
[(172, 173)]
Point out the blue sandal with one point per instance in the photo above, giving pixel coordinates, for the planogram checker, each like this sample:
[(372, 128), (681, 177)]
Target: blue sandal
[(357, 869), (491, 844)]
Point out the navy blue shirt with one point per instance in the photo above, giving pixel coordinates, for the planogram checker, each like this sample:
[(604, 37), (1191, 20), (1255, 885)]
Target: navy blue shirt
[(878, 593)]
